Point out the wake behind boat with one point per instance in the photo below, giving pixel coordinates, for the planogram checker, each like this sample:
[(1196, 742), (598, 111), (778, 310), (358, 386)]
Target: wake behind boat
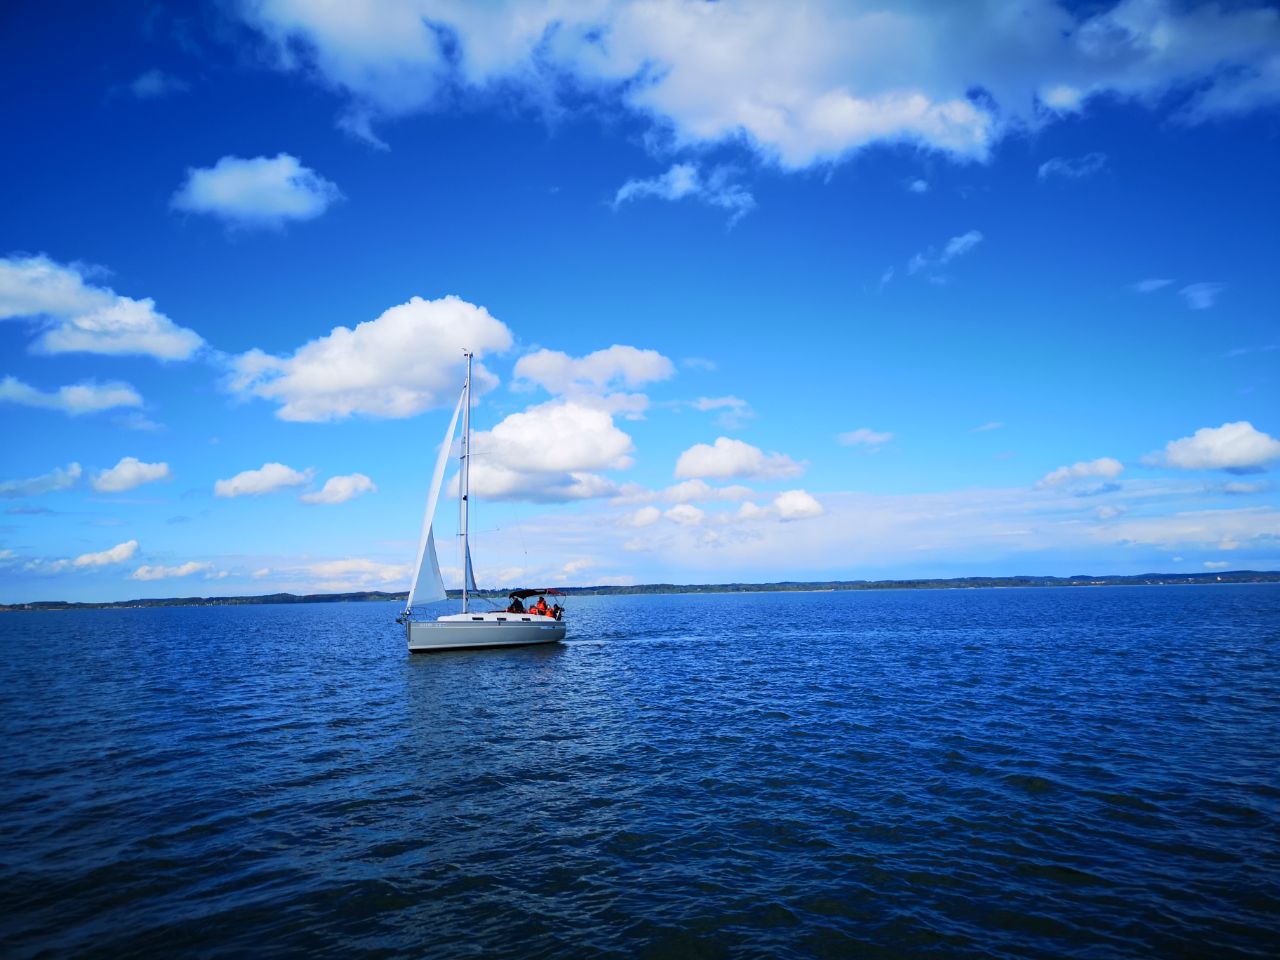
[(513, 627)]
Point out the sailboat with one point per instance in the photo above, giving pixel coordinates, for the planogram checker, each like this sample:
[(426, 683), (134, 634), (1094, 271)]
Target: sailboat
[(513, 627)]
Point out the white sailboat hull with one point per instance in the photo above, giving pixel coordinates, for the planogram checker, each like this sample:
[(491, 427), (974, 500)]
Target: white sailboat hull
[(467, 631)]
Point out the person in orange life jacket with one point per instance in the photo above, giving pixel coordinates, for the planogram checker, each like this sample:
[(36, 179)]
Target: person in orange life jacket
[(540, 607)]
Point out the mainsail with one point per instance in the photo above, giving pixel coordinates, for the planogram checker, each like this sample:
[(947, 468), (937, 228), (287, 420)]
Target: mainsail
[(427, 585)]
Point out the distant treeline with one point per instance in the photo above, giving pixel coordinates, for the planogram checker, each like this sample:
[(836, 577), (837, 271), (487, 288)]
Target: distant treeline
[(364, 596)]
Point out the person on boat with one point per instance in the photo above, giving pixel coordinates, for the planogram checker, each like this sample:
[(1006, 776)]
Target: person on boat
[(516, 606), (540, 608), (557, 611)]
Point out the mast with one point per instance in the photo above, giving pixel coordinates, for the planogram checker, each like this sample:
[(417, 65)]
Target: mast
[(464, 486)]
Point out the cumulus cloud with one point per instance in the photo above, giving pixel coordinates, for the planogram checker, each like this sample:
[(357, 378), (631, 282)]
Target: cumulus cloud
[(258, 192), (864, 436), (117, 554), (1201, 296), (801, 85), (797, 505), (405, 361), (684, 180), (953, 248), (54, 480), (87, 397), (1104, 467), (1072, 168), (688, 491), (728, 458), (130, 472), (340, 489), (76, 316), (549, 453), (164, 573), (685, 514), (613, 367), (644, 517), (267, 479), (336, 574), (1236, 447)]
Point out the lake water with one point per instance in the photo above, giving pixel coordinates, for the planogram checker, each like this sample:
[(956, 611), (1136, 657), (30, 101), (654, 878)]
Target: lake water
[(1085, 772)]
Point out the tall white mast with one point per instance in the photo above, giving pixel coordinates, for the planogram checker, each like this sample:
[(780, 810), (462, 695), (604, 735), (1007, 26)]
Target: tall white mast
[(465, 485)]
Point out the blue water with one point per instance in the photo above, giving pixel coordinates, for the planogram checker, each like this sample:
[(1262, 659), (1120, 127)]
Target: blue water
[(997, 773)]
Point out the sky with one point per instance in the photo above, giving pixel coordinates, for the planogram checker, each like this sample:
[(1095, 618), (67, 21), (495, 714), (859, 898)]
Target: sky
[(758, 291)]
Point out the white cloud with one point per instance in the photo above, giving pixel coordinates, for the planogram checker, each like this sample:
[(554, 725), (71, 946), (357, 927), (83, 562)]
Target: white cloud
[(615, 366), (1151, 285), (685, 514), (734, 411), (644, 517), (928, 534), (130, 472), (79, 398), (117, 554), (720, 403), (1232, 446), (358, 572), (688, 491), (257, 192), (797, 505), (1108, 511), (1217, 564), (340, 489), (1104, 467), (155, 84), (59, 479), (1072, 168), (547, 454), (405, 361), (864, 436), (77, 316), (164, 573), (270, 477), (684, 180), (1241, 489), (734, 458), (955, 247), (801, 85), (1201, 296)]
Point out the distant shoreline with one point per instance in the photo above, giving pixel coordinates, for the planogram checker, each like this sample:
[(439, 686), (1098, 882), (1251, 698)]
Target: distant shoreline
[(788, 586)]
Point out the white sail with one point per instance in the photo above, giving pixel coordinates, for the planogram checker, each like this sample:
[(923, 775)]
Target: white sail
[(470, 574), (427, 584)]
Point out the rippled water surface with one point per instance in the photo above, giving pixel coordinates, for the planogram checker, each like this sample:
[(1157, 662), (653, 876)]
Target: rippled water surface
[(1009, 773)]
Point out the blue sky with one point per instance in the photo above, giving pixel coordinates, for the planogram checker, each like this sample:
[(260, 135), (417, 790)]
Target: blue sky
[(760, 291)]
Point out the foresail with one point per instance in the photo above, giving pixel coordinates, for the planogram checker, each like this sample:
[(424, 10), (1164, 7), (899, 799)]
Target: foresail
[(471, 576), (427, 584)]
